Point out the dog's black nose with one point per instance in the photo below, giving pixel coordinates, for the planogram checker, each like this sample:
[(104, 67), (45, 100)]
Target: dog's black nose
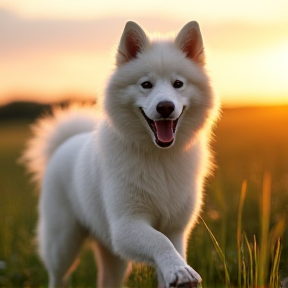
[(165, 108)]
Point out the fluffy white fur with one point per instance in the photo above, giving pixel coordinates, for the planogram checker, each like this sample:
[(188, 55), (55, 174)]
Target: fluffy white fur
[(108, 179)]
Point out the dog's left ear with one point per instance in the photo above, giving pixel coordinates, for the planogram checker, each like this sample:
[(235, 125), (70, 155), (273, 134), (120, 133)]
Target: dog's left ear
[(132, 42), (189, 40)]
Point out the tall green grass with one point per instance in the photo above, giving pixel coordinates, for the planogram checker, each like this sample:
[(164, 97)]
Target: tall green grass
[(258, 265), (220, 254)]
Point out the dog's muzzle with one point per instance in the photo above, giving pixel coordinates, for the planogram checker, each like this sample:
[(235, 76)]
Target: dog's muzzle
[(163, 129)]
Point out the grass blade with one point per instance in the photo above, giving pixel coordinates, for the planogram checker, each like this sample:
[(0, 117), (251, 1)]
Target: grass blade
[(255, 262), (219, 252), (274, 274), (265, 222), (239, 229), (251, 278), (244, 273)]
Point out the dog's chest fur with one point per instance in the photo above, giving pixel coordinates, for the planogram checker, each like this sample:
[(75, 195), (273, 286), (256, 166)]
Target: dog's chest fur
[(170, 182), (165, 184)]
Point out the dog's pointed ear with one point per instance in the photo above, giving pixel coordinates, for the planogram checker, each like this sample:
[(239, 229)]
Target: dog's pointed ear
[(133, 41), (189, 41)]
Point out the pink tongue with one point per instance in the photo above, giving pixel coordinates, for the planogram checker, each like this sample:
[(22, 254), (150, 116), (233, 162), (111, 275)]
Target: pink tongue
[(164, 130)]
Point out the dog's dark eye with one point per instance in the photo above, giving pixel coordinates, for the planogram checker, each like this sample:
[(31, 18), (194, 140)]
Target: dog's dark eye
[(178, 84), (147, 85)]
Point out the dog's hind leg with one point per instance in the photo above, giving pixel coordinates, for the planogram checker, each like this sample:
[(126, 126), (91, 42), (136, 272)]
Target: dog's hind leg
[(60, 238), (160, 279), (59, 249), (111, 268)]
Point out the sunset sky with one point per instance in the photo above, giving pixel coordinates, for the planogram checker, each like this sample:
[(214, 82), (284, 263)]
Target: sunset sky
[(53, 49)]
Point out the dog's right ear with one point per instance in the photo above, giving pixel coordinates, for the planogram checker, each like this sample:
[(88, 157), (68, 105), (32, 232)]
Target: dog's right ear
[(132, 42)]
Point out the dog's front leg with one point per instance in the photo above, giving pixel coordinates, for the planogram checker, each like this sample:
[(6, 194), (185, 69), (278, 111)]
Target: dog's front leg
[(178, 241), (136, 239)]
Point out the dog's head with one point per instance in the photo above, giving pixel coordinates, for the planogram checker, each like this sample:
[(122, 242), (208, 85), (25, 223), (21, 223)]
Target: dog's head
[(162, 84)]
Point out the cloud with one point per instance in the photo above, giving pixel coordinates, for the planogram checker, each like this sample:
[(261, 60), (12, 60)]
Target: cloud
[(21, 35), (239, 37)]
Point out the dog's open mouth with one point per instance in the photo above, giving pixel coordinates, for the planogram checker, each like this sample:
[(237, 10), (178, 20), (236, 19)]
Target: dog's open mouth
[(163, 130)]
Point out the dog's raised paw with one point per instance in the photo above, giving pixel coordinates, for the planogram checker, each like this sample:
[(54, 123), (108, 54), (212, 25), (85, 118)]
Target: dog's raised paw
[(186, 277)]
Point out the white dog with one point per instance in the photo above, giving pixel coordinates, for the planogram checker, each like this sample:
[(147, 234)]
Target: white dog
[(132, 179)]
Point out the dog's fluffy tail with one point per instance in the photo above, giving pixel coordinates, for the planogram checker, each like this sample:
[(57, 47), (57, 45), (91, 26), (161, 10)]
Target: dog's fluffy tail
[(51, 131)]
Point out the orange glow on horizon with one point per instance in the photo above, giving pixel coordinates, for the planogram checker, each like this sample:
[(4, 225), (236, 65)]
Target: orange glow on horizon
[(51, 58)]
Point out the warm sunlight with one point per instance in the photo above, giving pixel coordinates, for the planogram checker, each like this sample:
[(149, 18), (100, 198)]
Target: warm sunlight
[(257, 77), (254, 10), (113, 148), (52, 49)]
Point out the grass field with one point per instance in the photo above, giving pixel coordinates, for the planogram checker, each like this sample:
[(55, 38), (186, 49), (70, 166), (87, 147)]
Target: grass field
[(249, 142)]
